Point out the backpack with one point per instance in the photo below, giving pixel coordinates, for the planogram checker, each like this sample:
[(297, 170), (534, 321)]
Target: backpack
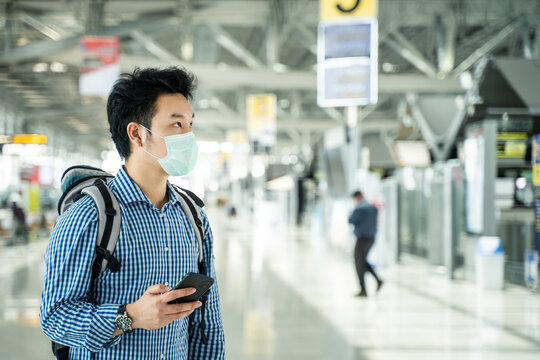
[(80, 180)]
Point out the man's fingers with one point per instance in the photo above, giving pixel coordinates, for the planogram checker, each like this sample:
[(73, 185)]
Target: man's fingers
[(181, 308), (175, 294), (156, 289), (171, 317)]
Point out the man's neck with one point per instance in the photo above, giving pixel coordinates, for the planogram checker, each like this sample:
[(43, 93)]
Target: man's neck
[(152, 183)]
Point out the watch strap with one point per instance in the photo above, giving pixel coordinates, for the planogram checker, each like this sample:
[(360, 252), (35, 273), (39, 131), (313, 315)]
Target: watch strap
[(122, 313), (122, 310)]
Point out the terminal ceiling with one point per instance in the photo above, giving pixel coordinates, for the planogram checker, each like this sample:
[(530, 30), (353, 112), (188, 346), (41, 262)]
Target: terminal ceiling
[(240, 47)]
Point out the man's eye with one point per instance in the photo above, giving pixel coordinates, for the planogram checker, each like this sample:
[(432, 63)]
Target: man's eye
[(191, 125), (179, 124)]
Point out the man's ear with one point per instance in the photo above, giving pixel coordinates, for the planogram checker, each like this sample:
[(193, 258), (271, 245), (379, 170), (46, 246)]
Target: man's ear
[(134, 133)]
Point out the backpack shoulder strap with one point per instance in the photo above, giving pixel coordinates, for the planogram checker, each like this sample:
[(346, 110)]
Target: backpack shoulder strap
[(189, 202), (109, 223), (192, 195)]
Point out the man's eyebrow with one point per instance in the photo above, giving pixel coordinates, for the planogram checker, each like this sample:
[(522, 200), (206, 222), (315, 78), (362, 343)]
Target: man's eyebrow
[(183, 115)]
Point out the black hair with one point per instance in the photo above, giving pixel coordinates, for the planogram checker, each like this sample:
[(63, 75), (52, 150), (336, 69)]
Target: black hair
[(134, 96), (357, 193)]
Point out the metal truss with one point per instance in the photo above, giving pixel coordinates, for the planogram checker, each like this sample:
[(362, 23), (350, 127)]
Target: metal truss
[(257, 46)]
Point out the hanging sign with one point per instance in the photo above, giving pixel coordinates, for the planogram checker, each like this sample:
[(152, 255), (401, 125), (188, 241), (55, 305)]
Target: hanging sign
[(261, 116), (347, 53), (336, 9), (101, 67)]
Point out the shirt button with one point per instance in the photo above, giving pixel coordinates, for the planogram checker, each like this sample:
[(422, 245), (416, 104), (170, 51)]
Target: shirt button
[(161, 215), (166, 248), (162, 356), (166, 284)]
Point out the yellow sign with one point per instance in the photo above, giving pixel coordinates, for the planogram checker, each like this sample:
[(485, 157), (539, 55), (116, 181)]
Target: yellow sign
[(334, 9), (261, 116), (512, 136), (34, 139), (536, 174)]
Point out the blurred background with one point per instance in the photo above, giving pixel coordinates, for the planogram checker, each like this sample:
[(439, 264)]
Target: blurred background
[(429, 107)]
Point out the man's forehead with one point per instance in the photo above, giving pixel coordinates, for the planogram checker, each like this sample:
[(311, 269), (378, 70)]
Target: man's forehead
[(175, 104)]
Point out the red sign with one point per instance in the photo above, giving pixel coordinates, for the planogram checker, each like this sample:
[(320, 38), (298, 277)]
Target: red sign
[(100, 67)]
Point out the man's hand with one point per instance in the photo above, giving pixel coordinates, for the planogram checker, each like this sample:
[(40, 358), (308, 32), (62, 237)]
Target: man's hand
[(152, 312)]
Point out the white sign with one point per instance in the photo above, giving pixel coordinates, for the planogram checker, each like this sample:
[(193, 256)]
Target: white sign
[(347, 62)]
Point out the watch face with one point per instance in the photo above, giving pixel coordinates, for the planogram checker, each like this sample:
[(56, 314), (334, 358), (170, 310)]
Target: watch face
[(123, 323)]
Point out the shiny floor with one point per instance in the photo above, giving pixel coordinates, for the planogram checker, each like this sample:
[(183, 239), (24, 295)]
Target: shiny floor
[(287, 294)]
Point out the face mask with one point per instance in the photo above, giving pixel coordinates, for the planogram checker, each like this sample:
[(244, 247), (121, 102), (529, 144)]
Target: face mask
[(182, 152)]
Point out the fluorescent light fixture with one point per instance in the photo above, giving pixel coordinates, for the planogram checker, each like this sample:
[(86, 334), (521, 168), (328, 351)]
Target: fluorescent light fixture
[(40, 67), (187, 50), (280, 68), (58, 67), (466, 80), (214, 103), (203, 103)]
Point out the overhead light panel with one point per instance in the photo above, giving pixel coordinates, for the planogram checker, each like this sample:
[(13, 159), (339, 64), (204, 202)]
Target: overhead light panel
[(40, 67), (58, 67)]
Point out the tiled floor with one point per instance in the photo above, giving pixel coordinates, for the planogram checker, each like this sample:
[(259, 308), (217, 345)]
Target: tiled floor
[(287, 295)]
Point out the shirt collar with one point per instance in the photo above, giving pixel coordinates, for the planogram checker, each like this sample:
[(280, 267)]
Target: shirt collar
[(130, 192), (362, 202)]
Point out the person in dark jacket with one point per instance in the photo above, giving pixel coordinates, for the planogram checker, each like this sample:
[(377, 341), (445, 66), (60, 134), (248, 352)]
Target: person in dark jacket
[(364, 219), (20, 230)]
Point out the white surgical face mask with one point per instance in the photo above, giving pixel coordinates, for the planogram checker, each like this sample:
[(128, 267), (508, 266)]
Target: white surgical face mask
[(182, 153)]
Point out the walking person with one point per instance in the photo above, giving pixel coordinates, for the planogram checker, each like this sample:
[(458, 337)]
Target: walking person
[(364, 219), (20, 229), (150, 119)]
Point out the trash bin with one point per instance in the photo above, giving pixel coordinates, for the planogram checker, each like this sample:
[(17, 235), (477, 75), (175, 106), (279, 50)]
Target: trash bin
[(490, 263)]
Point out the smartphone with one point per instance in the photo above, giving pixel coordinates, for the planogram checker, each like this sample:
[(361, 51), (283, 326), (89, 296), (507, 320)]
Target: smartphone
[(200, 282)]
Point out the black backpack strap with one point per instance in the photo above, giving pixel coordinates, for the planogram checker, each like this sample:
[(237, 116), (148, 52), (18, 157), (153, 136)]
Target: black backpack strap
[(203, 308), (191, 201), (192, 195), (108, 230), (61, 352), (189, 205)]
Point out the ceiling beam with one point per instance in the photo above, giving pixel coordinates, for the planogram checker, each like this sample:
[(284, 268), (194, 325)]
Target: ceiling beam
[(445, 35), (154, 48), (40, 26), (488, 46), (409, 52), (232, 45), (226, 78), (51, 47)]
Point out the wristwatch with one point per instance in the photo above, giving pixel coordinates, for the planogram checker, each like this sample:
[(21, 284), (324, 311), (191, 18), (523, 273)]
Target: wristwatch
[(123, 321)]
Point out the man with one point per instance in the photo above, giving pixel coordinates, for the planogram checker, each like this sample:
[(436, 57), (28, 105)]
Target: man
[(20, 229), (364, 219), (151, 121)]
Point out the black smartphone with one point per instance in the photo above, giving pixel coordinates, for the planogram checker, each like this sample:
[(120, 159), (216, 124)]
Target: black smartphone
[(200, 282)]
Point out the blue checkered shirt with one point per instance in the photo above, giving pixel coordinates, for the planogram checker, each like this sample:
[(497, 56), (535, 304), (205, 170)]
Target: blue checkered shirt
[(154, 247)]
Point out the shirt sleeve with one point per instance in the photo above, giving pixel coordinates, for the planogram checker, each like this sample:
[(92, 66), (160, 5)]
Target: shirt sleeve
[(353, 219), (67, 316), (215, 349)]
